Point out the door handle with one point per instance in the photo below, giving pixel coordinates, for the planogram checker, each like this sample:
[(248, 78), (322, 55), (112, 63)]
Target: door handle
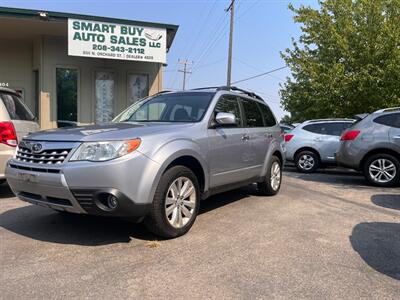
[(317, 139), (245, 137)]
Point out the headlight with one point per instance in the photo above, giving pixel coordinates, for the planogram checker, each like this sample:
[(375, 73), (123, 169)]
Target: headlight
[(102, 151)]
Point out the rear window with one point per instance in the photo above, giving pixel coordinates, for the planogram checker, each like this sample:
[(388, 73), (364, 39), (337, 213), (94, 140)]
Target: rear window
[(392, 120), (332, 128), (16, 109), (269, 118)]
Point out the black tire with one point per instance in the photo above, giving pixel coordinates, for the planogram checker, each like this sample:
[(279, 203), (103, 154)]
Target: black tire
[(266, 188), (312, 165), (370, 160), (157, 221), (2, 181)]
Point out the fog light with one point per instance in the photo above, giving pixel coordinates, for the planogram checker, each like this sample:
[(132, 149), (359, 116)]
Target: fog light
[(112, 202)]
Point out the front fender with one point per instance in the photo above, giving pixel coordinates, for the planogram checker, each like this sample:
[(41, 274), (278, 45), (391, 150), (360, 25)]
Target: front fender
[(173, 150)]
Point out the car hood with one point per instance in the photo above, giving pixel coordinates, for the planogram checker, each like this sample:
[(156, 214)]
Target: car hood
[(103, 132)]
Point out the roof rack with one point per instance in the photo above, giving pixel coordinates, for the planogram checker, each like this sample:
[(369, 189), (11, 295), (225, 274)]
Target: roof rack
[(232, 88), (388, 109), (329, 119)]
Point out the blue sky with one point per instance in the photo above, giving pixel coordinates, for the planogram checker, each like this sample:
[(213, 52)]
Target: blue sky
[(263, 28)]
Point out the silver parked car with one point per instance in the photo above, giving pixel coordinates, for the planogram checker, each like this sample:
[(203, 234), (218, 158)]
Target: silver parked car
[(156, 160), (372, 145), (16, 121), (314, 143)]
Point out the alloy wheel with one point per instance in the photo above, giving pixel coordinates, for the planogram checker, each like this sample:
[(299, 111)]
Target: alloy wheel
[(275, 176), (306, 162), (382, 170), (180, 202)]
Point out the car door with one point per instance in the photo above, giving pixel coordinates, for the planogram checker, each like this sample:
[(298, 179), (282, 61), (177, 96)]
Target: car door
[(329, 140), (229, 150), (257, 135)]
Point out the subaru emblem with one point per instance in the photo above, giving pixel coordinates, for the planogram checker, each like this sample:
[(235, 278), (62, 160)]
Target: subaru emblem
[(36, 147)]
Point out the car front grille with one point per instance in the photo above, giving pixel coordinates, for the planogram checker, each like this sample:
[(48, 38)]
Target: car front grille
[(48, 157)]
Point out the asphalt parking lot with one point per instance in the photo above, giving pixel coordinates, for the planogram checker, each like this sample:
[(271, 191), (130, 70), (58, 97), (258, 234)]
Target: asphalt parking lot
[(326, 235)]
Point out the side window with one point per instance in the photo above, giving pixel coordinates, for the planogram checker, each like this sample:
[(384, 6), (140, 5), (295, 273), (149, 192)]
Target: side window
[(334, 128), (252, 113), (229, 104), (315, 128), (392, 120), (269, 119), (347, 125)]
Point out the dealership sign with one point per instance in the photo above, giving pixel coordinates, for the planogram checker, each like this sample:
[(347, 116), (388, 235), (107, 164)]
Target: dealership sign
[(116, 41)]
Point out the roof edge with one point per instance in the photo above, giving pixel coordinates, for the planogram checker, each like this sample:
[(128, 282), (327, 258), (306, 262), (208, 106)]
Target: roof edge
[(22, 12), (59, 16)]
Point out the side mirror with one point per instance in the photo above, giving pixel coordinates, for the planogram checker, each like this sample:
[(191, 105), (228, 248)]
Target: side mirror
[(225, 119)]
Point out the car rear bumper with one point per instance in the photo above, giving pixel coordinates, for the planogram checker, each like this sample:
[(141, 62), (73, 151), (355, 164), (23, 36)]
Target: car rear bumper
[(6, 153), (83, 187), (345, 158)]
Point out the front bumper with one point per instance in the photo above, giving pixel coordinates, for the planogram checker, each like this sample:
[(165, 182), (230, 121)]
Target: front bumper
[(77, 186)]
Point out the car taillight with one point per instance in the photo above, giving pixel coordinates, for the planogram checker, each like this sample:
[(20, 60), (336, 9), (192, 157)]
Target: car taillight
[(8, 135), (350, 135), (288, 137)]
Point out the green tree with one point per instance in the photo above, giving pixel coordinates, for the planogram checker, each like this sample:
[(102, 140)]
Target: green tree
[(346, 61), (286, 119)]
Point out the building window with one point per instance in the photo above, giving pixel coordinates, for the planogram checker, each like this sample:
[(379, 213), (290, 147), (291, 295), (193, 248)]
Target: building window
[(138, 87), (67, 95), (105, 95)]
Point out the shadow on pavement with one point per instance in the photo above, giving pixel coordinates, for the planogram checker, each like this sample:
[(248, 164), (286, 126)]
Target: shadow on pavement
[(44, 224), (387, 200), (378, 244), (220, 200), (5, 191), (336, 176)]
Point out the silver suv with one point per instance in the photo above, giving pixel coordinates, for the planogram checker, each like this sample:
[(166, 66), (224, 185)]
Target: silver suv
[(372, 145), (314, 142), (156, 160)]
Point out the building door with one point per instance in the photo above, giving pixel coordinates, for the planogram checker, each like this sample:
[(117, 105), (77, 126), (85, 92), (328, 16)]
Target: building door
[(105, 95), (67, 96), (138, 87)]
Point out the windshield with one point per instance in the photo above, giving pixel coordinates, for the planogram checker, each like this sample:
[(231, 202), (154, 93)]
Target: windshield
[(16, 109), (174, 107)]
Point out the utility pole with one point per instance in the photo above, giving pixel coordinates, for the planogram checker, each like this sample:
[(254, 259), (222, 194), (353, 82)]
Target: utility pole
[(229, 73), (184, 71)]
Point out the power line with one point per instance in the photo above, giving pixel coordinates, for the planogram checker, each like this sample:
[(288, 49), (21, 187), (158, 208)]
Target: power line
[(200, 29), (259, 75), (256, 68), (247, 10), (218, 35), (184, 50)]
